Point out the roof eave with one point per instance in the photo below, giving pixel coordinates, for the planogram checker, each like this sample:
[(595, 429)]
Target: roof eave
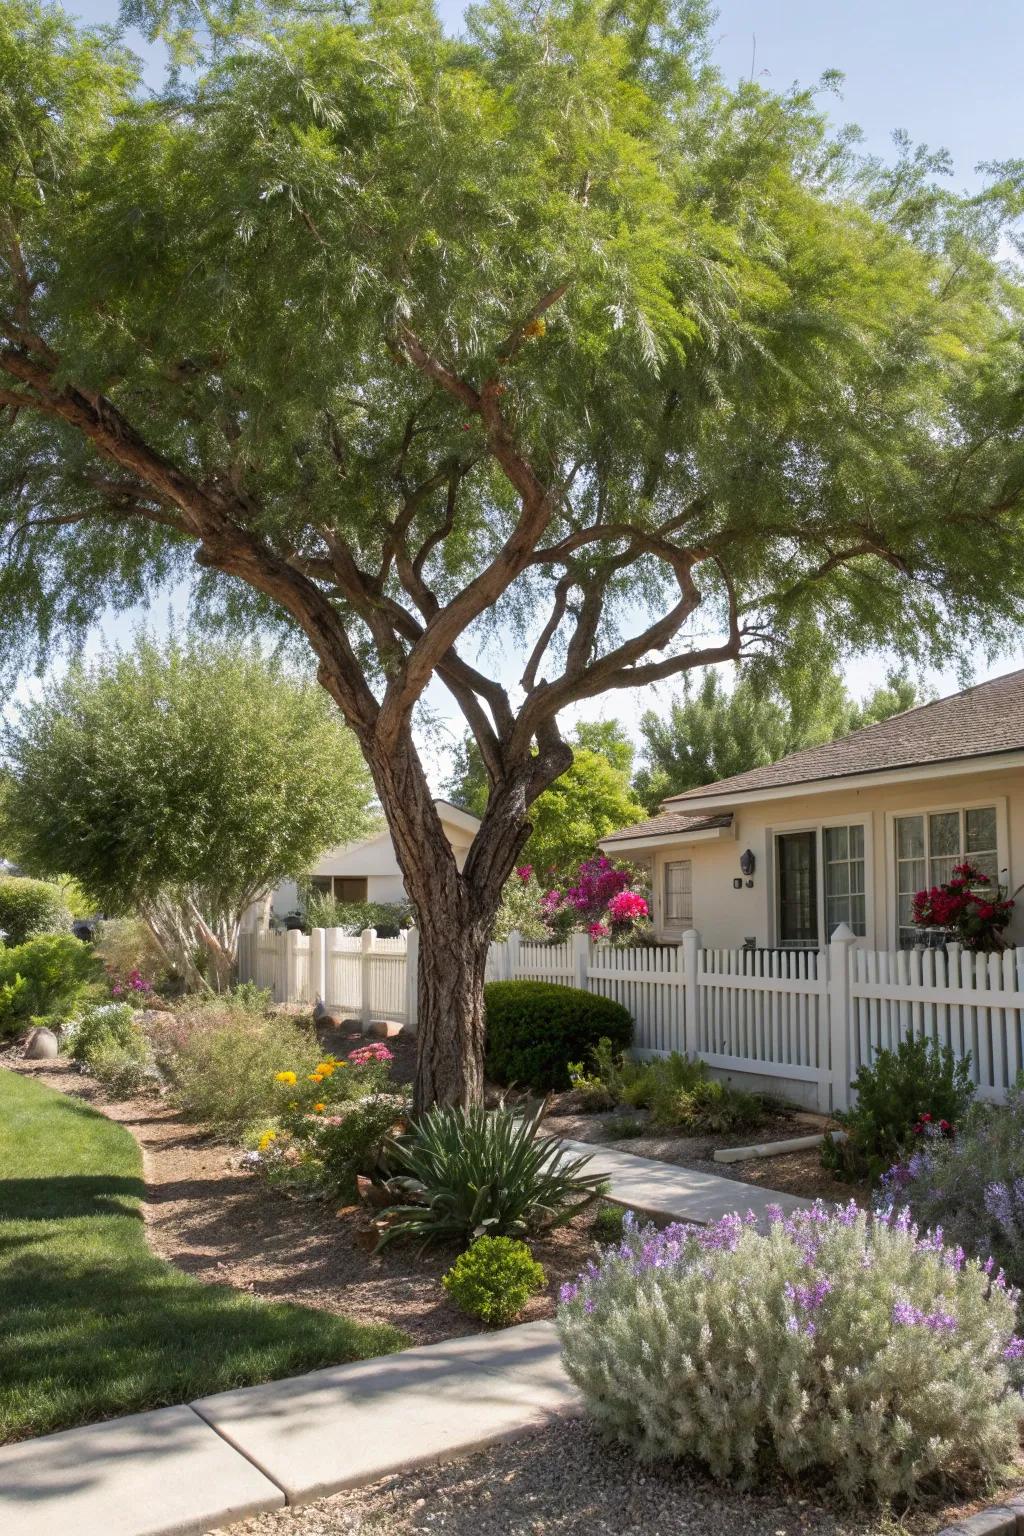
[(991, 762), (648, 841)]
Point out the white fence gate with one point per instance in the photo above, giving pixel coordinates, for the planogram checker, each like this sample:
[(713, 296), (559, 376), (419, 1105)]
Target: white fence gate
[(800, 1021)]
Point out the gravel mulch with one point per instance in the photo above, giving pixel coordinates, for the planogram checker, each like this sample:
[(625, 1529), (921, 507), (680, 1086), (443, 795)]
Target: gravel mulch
[(565, 1481), (213, 1219)]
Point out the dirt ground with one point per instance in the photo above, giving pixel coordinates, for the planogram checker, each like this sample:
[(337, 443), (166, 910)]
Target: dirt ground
[(212, 1218)]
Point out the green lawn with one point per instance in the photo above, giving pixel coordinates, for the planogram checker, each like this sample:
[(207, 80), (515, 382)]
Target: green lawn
[(91, 1324)]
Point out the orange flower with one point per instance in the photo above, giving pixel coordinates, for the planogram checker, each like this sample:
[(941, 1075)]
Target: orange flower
[(319, 1108), (316, 1077)]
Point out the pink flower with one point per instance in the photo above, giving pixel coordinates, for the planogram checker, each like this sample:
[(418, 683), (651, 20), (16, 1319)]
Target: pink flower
[(626, 907), (524, 872), (598, 930), (369, 1053)]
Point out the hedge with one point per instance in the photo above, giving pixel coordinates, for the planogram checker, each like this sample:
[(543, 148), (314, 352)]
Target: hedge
[(535, 1028)]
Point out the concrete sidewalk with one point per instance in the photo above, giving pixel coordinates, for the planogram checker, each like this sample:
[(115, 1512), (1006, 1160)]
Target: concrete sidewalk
[(664, 1189), (186, 1470)]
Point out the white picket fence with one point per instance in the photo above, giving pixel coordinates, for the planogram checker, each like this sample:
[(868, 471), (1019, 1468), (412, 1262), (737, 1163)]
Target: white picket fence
[(367, 977), (798, 1021)]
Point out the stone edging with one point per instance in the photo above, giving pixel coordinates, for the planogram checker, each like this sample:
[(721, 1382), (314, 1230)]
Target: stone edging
[(1001, 1520)]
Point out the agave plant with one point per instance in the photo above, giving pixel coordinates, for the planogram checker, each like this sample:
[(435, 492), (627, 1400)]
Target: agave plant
[(467, 1173)]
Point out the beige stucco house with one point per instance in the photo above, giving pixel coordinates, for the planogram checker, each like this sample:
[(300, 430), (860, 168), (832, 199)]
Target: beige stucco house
[(368, 870), (845, 832)]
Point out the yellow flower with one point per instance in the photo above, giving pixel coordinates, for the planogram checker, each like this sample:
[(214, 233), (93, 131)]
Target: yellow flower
[(325, 1068), (285, 1077), (266, 1139), (316, 1077), (319, 1108)]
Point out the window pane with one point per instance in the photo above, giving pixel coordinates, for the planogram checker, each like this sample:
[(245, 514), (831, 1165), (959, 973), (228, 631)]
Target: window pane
[(942, 869), (856, 842), (837, 879), (987, 862), (679, 891), (837, 842), (858, 915), (981, 830), (837, 910), (911, 875), (944, 834), (910, 837), (798, 896)]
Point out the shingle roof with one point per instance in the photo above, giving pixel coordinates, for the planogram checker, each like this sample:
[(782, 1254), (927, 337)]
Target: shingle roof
[(986, 718), (669, 821)]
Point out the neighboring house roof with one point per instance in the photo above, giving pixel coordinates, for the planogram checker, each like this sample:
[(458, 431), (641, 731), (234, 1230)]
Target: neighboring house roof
[(985, 719), (670, 822)]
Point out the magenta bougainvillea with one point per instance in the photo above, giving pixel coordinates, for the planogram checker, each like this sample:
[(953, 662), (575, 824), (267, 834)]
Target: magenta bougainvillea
[(602, 900)]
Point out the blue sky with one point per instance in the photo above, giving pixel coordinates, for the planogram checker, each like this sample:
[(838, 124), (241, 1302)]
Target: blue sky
[(946, 72)]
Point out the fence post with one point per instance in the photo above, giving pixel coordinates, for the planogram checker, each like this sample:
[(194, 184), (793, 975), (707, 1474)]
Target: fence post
[(580, 954), (839, 1021), (318, 964), (412, 964), (291, 965), (689, 1033), (367, 937)]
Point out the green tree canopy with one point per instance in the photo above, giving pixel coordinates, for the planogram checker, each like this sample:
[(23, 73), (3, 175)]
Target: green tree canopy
[(182, 783), (711, 733), (590, 799), (395, 337)]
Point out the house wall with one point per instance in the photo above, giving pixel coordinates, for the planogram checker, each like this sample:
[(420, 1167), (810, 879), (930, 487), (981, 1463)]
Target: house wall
[(724, 917), (373, 861)]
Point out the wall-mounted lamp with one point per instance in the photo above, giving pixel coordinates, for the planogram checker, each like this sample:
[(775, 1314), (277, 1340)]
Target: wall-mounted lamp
[(747, 863)]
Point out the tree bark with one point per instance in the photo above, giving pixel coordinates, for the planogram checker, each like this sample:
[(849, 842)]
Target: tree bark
[(455, 912)]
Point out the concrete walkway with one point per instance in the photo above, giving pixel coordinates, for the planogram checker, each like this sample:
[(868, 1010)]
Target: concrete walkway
[(186, 1470), (182, 1471), (664, 1189)]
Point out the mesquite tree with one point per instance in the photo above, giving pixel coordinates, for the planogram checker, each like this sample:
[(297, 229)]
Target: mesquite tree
[(543, 334)]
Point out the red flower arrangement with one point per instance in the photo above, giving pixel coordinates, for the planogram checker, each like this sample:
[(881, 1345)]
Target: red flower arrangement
[(968, 907)]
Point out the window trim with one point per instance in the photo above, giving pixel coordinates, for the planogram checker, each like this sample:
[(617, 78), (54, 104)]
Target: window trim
[(863, 819), (892, 906)]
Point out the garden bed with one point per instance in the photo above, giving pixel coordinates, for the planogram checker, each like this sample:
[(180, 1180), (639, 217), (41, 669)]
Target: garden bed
[(564, 1479), (210, 1217)]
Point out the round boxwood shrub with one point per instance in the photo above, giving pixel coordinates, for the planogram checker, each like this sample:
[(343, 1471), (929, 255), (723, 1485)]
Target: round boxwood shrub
[(535, 1028), (30, 907), (494, 1279)]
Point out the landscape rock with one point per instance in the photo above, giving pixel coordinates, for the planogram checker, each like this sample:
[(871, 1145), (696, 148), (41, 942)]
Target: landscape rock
[(322, 1014), (41, 1045), (384, 1029)]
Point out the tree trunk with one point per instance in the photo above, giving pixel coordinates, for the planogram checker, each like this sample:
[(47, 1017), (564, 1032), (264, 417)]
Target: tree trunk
[(450, 1005), (455, 913)]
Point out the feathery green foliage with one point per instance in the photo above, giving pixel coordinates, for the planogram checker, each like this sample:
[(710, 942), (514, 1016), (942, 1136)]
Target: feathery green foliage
[(182, 782)]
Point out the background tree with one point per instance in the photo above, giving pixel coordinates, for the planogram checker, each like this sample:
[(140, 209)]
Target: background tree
[(590, 799), (396, 338), (712, 733), (182, 783)]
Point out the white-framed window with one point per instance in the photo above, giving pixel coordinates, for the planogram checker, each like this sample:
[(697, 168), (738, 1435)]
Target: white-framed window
[(821, 880), (845, 878), (679, 893), (929, 845)]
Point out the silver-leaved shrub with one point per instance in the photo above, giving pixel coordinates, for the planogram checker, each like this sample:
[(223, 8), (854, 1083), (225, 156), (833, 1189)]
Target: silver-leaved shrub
[(828, 1345)]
